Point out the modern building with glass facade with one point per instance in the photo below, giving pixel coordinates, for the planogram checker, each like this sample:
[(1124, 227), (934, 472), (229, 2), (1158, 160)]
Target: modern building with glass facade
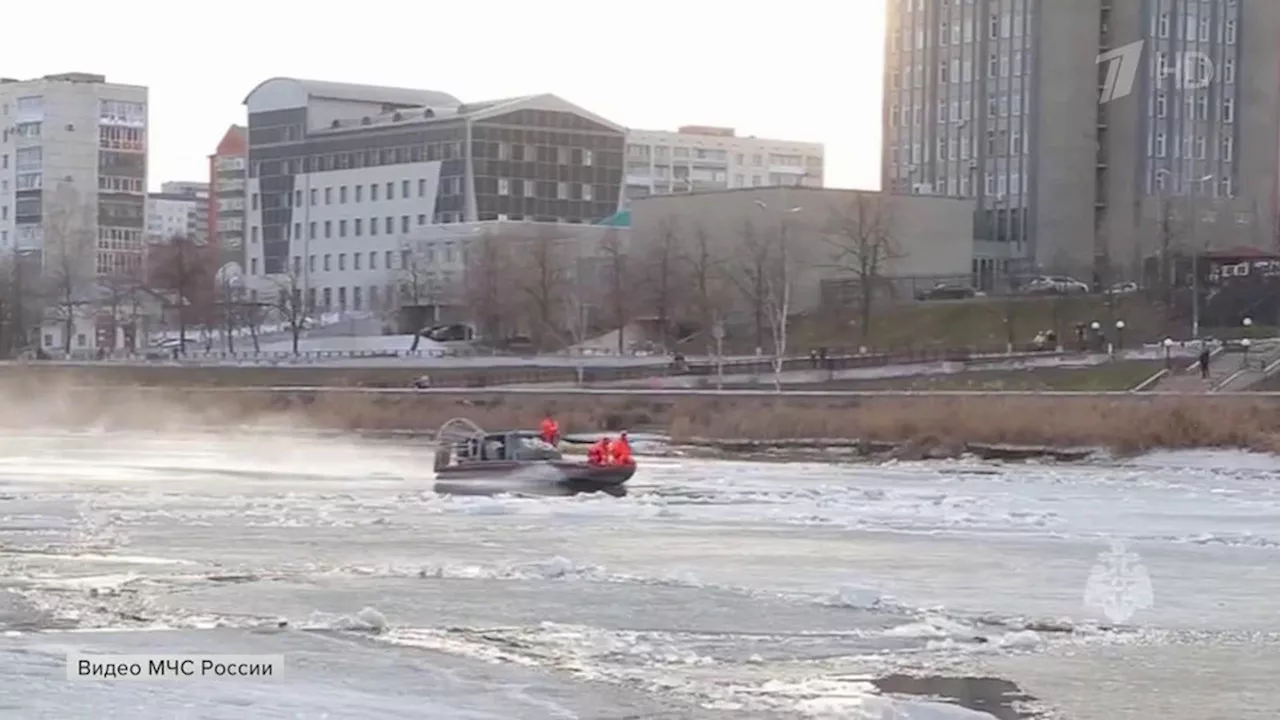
[(1013, 103), (356, 172)]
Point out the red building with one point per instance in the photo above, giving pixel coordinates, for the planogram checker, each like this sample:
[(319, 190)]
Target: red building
[(228, 172)]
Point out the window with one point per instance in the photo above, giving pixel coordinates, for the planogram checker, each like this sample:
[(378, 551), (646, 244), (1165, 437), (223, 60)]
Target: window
[(342, 228), (373, 225), (422, 219), (944, 72), (1228, 148), (342, 194), (1225, 187), (297, 198), (390, 225), (404, 188), (1229, 71), (1201, 147), (313, 196), (1228, 110), (253, 270), (328, 228), (404, 223), (422, 187), (359, 195), (391, 191), (29, 159), (1230, 33), (373, 192), (588, 158), (562, 191), (311, 230), (504, 186), (357, 227), (355, 261), (254, 202), (1162, 25), (587, 192), (311, 263), (253, 234), (1161, 143), (327, 258), (342, 261)]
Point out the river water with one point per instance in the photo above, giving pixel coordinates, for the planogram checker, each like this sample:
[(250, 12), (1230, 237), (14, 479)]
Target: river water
[(714, 589)]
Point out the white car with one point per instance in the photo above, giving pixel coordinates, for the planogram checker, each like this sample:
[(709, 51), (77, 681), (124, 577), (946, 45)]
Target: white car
[(1056, 285)]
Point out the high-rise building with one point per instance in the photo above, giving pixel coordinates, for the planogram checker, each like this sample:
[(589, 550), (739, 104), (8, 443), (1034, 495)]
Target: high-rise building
[(228, 171), (1083, 127), (73, 170), (355, 171), (698, 157), (179, 210)]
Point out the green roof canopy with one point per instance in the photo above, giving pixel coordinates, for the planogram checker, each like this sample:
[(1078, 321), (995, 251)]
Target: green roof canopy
[(622, 218)]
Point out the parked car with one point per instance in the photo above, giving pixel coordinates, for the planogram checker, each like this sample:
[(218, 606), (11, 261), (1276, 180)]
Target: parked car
[(1123, 288), (1055, 285), (943, 291)]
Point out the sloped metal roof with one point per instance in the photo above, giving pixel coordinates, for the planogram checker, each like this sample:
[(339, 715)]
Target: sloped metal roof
[(406, 97)]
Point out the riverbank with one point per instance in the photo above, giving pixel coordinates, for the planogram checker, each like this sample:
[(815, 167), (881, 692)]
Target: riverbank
[(1120, 423)]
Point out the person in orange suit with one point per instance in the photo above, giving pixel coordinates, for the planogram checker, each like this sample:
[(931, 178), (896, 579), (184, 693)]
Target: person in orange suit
[(598, 453), (620, 451), (550, 431)]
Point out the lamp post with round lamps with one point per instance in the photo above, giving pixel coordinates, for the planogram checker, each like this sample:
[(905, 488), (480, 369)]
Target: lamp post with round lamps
[(1168, 354), (1245, 344), (1097, 334), (1119, 334)]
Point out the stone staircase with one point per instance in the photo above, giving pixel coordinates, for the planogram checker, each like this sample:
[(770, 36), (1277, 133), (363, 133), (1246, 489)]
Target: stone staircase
[(1229, 370)]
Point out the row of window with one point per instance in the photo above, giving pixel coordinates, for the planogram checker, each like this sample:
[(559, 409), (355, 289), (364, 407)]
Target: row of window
[(358, 159), (1004, 143), (112, 263), (357, 193), (117, 184), (1158, 145), (1159, 181), (958, 33), (957, 111), (353, 227), (122, 112), (1197, 107), (337, 299), (662, 154), (113, 137), (448, 255), (961, 70)]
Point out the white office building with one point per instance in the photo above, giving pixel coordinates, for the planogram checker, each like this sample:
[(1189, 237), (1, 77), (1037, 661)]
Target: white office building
[(73, 169), (696, 158), (179, 210)]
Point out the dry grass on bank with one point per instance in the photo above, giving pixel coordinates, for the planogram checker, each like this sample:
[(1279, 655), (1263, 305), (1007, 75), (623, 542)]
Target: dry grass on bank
[(1126, 424)]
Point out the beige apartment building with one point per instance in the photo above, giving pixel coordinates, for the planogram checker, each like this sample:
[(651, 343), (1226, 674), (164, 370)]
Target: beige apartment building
[(1093, 135)]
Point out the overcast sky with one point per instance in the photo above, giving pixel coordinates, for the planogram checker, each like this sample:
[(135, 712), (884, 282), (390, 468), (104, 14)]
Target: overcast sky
[(812, 73)]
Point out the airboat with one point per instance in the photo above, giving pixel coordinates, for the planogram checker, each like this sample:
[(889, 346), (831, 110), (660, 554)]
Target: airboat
[(464, 451)]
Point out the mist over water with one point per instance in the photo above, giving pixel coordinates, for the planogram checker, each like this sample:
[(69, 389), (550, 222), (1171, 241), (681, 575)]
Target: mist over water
[(712, 589)]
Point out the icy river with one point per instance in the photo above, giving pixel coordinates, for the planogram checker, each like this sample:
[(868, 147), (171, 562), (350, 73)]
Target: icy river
[(715, 589)]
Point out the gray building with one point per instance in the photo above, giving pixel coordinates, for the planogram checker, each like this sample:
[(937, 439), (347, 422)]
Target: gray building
[(917, 241), (73, 170), (348, 170), (1094, 135)]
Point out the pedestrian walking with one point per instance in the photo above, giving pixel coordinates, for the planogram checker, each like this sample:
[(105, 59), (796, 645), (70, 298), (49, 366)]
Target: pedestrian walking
[(1204, 363)]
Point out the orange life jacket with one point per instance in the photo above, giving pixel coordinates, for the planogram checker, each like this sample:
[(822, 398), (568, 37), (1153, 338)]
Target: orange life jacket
[(595, 453), (621, 452), (550, 430)]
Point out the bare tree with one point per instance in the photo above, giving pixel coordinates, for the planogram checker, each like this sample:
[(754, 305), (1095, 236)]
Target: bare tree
[(186, 269), (860, 235), (660, 276), (488, 285), (291, 306), (68, 259), (618, 284), (781, 269), (710, 286), (543, 285), (119, 301), (749, 276)]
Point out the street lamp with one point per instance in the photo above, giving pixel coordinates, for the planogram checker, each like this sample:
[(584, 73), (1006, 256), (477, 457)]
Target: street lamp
[(1168, 350), (1245, 344), (1119, 334)]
